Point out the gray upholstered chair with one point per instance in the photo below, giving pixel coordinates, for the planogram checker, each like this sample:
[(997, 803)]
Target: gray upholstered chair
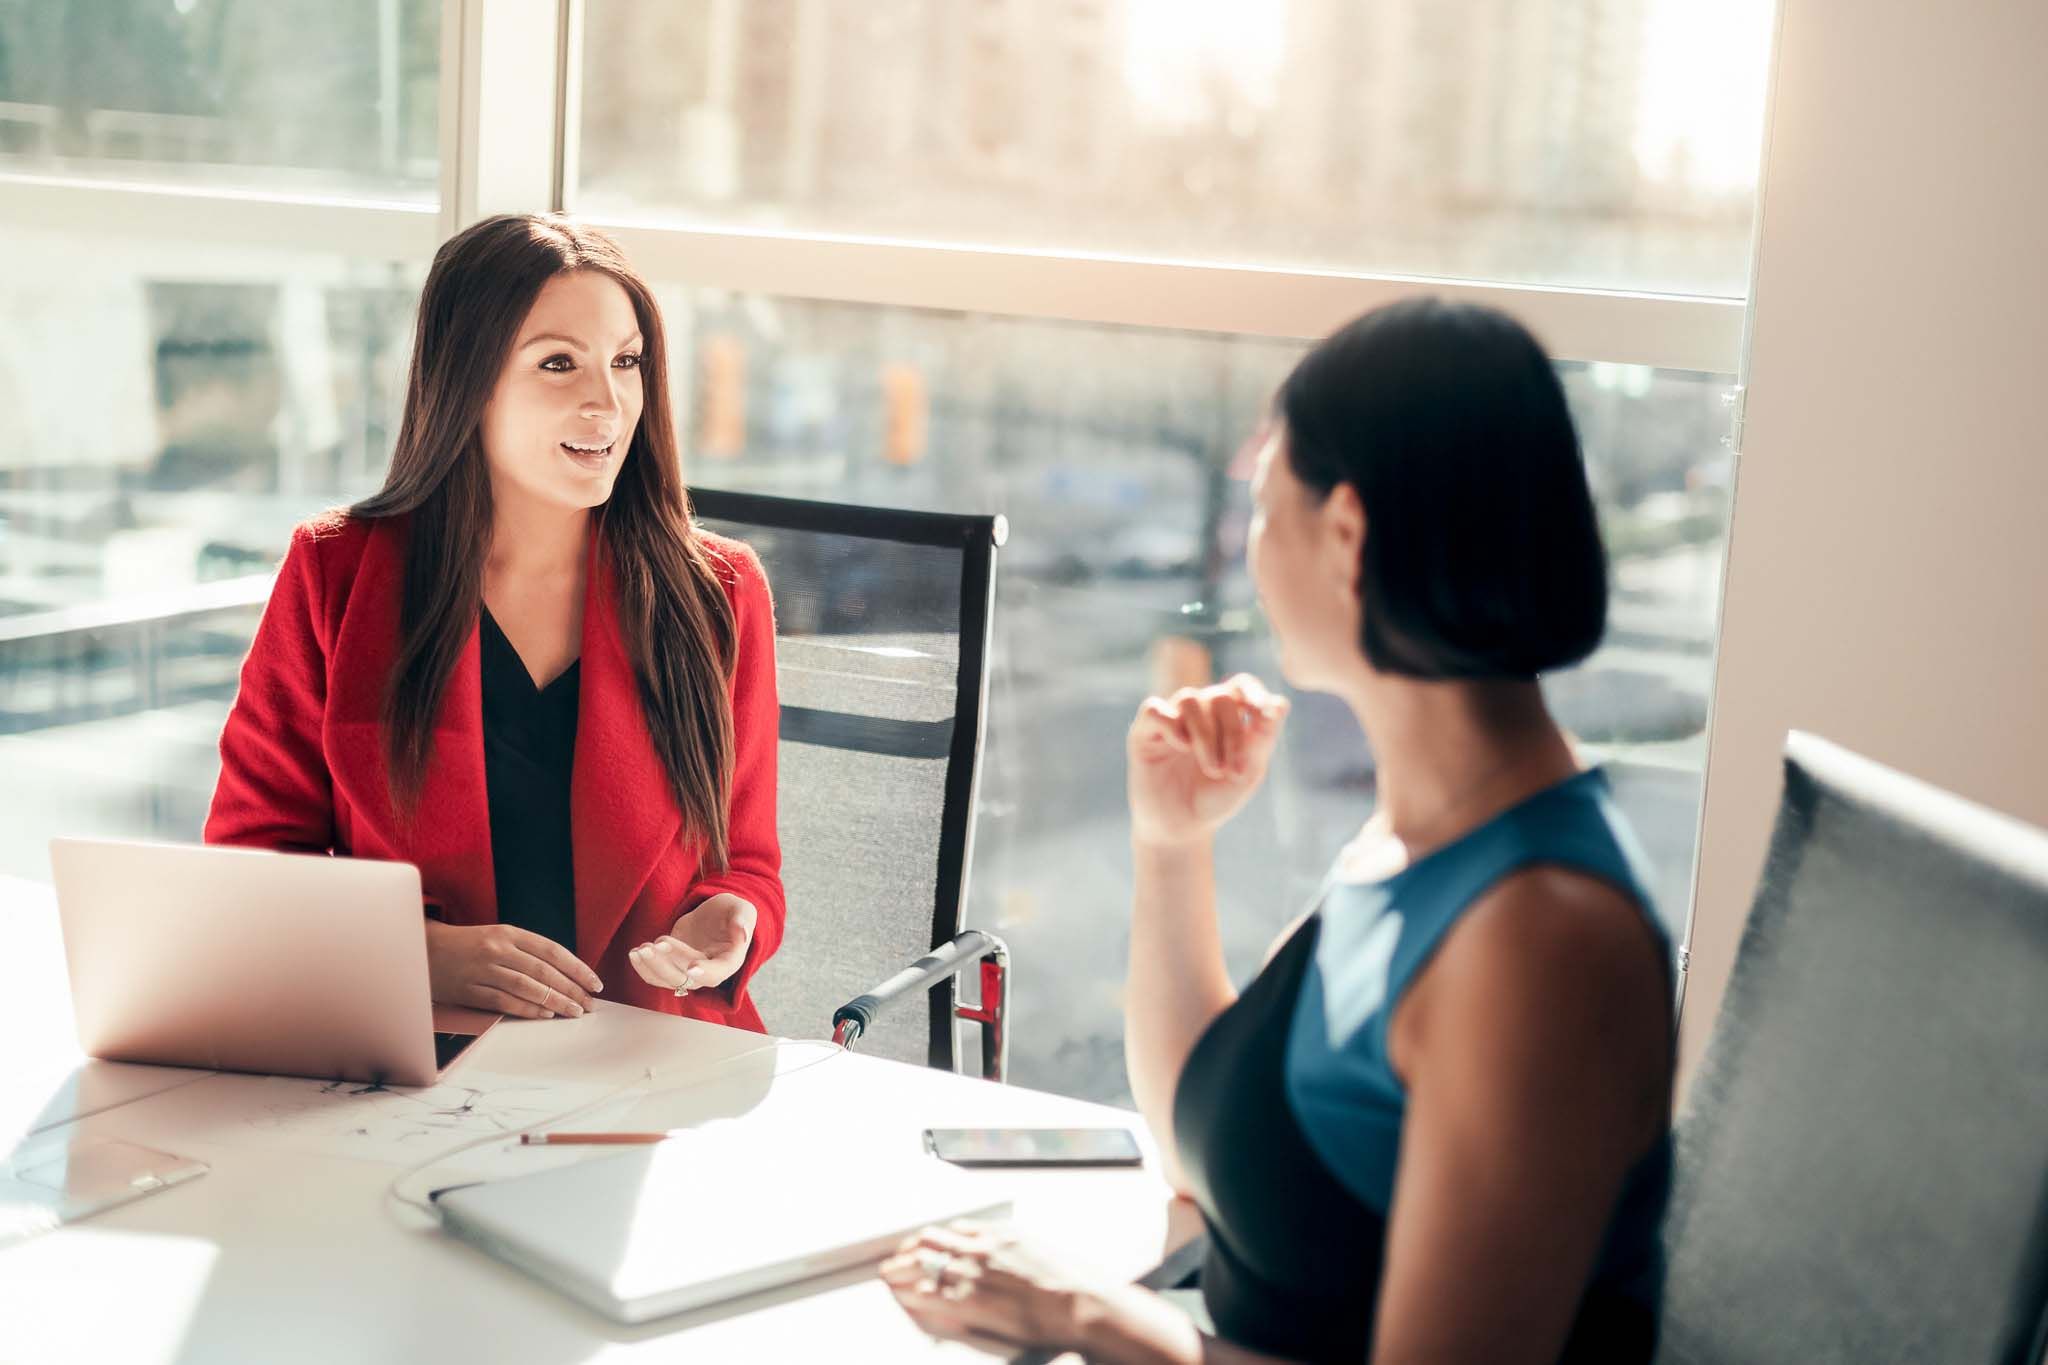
[(1862, 1168), (882, 629)]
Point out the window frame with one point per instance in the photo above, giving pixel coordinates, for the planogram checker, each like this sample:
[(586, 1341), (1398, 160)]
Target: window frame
[(502, 150)]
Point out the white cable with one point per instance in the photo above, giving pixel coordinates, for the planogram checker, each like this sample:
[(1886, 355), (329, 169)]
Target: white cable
[(393, 1192)]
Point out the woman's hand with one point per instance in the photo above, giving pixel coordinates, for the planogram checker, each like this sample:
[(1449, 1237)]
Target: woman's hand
[(706, 946), (975, 1282), (1197, 756), (508, 970)]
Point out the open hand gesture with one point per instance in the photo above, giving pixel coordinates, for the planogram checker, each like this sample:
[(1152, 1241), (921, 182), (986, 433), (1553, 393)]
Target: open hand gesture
[(706, 946)]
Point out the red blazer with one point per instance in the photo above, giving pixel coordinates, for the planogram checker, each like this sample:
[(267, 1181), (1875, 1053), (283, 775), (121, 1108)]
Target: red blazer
[(302, 761)]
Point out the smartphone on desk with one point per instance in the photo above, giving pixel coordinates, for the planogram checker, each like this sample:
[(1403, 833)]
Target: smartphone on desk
[(1034, 1146)]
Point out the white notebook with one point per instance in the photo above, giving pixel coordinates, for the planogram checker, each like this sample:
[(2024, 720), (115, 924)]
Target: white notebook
[(677, 1225)]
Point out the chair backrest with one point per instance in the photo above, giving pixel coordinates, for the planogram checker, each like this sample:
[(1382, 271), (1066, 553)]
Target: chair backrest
[(1862, 1169), (882, 630)]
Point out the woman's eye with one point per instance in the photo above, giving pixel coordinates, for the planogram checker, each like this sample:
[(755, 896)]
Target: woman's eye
[(558, 364), (630, 360)]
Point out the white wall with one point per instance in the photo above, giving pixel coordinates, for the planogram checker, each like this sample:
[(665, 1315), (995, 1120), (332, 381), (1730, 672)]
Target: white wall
[(1889, 560)]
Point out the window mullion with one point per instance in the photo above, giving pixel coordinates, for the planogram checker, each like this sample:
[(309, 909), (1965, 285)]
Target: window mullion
[(568, 104), (498, 141)]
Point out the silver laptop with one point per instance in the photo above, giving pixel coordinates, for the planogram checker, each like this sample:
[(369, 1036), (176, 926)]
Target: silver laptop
[(707, 1217), (238, 959)]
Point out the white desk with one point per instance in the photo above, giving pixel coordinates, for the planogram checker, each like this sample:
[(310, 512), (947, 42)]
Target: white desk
[(282, 1255)]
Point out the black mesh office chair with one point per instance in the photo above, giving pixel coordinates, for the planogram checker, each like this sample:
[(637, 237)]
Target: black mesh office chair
[(1862, 1170), (882, 632)]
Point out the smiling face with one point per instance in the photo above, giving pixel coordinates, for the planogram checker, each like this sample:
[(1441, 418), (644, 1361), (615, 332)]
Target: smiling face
[(566, 404)]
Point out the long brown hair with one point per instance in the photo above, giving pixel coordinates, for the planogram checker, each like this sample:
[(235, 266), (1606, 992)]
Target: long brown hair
[(672, 607)]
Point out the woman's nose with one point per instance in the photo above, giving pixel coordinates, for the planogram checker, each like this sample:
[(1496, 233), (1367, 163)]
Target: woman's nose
[(600, 399)]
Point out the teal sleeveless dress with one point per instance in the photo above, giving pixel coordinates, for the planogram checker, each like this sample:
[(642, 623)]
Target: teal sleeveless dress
[(1288, 1114)]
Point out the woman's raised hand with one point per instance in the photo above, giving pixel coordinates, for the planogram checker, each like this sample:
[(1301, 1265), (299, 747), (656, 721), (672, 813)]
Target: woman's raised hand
[(1197, 756), (507, 970)]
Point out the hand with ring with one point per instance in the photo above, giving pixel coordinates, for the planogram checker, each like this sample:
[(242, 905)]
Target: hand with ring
[(706, 946), (980, 1283), (507, 970)]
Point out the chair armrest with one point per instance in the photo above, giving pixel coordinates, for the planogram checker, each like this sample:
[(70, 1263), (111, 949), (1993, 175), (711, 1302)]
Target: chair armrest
[(944, 962), (949, 959)]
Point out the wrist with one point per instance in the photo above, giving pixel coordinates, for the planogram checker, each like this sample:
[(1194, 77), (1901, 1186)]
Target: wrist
[(1171, 850), (1094, 1328), (1132, 1326), (1170, 858)]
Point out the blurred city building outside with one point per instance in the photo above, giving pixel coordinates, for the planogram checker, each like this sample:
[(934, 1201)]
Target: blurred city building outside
[(1603, 143), (292, 96), (170, 413)]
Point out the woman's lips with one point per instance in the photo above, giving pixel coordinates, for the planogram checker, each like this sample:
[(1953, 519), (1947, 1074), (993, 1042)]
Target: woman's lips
[(589, 459)]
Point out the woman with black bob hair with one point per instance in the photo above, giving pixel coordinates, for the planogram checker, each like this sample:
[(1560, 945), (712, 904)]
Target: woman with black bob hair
[(1485, 561), (1435, 1126)]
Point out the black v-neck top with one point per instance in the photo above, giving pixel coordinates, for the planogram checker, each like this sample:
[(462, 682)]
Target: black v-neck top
[(529, 752)]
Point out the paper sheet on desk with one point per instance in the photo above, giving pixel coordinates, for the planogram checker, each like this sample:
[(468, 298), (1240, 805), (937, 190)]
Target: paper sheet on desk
[(371, 1123)]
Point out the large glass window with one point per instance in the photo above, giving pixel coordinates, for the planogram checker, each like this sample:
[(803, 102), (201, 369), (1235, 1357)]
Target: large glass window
[(1608, 143), (175, 394), (166, 416), (292, 96), (1116, 455)]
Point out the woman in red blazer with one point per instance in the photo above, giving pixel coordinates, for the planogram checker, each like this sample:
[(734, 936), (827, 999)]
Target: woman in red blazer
[(520, 665)]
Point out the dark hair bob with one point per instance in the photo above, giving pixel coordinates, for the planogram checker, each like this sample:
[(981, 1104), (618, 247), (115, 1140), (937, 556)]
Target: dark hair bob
[(1482, 551)]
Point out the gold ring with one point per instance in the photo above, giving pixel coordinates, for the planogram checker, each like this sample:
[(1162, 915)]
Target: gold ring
[(952, 1280)]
